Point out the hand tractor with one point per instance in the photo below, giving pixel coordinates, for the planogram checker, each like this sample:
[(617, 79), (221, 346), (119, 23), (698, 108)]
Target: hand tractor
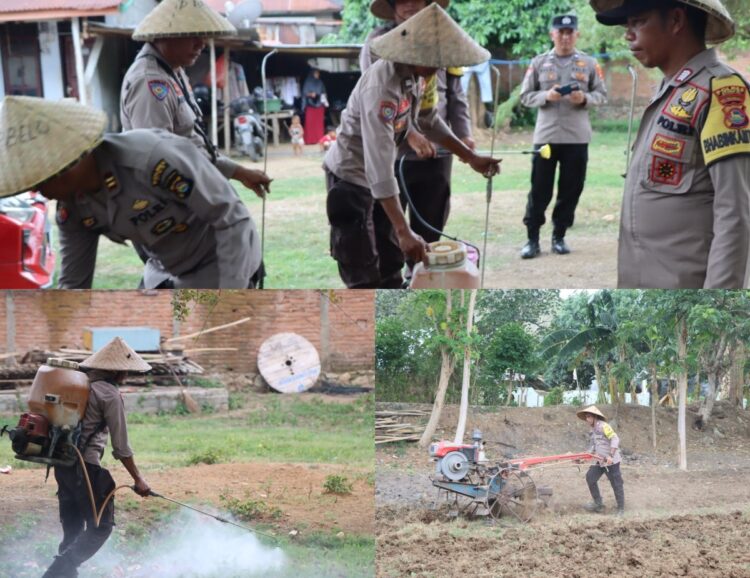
[(477, 486)]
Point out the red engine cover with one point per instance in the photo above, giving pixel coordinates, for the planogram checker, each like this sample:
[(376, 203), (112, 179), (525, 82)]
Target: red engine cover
[(34, 424), (440, 449)]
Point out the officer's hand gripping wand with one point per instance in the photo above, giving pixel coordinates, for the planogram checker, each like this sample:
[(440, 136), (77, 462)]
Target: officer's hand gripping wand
[(489, 180)]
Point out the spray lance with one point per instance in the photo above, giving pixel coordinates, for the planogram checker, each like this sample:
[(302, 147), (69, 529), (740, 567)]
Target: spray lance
[(265, 158)]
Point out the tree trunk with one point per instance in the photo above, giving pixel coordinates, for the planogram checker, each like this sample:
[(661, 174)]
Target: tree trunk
[(682, 378), (654, 402), (598, 375), (708, 404), (737, 376), (464, 410), (614, 397), (446, 370)]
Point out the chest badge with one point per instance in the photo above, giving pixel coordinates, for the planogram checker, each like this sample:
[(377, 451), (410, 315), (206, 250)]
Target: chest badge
[(685, 102), (159, 89), (110, 181), (89, 222), (140, 204)]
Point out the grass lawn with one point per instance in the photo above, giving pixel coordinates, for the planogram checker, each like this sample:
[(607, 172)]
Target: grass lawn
[(297, 245)]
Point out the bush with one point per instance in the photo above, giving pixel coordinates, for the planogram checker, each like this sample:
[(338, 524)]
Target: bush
[(554, 397), (339, 485), (208, 457), (249, 509)]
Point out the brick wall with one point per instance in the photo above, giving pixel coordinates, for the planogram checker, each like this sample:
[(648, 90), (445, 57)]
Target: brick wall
[(340, 324)]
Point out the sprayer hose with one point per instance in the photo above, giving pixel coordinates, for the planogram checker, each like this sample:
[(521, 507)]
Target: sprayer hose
[(97, 515)]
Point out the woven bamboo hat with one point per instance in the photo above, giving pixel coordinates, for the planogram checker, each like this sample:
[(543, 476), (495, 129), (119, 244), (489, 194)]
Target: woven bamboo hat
[(384, 9), (720, 26), (116, 356), (40, 138), (593, 410), (430, 38), (175, 18)]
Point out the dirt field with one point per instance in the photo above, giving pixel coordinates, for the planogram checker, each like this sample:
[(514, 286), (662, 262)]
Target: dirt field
[(693, 523)]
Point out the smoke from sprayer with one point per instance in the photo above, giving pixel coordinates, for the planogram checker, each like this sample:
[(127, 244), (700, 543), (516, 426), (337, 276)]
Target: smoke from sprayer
[(190, 546)]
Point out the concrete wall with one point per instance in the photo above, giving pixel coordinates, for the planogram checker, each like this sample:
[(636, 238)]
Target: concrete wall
[(529, 397), (51, 61), (2, 77), (340, 324)]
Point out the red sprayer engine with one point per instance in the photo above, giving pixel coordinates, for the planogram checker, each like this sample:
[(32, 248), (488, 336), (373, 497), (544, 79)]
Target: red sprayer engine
[(49, 431)]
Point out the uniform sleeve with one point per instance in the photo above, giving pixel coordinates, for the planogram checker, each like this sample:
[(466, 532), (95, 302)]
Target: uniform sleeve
[(609, 433), (199, 185), (114, 416), (728, 257), (458, 107), (78, 248), (429, 119), (365, 56), (596, 94), (150, 102), (226, 166), (531, 95), (378, 114)]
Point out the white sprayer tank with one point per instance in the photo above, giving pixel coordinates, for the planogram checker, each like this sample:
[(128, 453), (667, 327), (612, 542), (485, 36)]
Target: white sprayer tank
[(60, 393), (449, 268)]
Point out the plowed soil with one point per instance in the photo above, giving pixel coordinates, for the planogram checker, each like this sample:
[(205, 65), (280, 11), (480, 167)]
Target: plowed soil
[(677, 523)]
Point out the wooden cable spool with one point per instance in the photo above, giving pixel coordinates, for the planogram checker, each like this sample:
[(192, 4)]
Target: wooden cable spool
[(289, 363)]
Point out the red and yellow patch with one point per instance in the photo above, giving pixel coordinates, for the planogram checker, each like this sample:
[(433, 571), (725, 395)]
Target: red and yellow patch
[(159, 89), (666, 171), (726, 132), (388, 111), (673, 147)]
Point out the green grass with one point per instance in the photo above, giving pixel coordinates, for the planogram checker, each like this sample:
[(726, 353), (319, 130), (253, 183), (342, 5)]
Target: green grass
[(297, 229), (280, 429)]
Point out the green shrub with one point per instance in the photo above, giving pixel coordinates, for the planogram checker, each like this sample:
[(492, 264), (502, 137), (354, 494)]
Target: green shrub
[(339, 485), (208, 457), (554, 397), (249, 509)]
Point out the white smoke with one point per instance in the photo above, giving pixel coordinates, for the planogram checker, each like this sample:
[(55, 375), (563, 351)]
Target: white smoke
[(191, 546)]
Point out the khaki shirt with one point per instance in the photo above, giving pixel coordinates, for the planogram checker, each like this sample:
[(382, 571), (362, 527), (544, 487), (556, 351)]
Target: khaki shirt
[(151, 98), (162, 193), (563, 122), (382, 107), (453, 106), (105, 405), (605, 442), (686, 213)]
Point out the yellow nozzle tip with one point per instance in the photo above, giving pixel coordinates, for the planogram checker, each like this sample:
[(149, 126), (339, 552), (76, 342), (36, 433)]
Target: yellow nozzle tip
[(545, 152)]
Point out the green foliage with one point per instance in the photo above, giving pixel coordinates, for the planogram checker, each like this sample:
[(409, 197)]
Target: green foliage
[(210, 456), (248, 509), (204, 382), (236, 401), (554, 397), (183, 301), (339, 485)]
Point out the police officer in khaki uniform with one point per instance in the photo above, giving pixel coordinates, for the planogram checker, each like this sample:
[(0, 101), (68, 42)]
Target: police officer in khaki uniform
[(686, 211), (563, 84), (148, 186), (605, 445), (156, 92), (427, 170), (369, 234)]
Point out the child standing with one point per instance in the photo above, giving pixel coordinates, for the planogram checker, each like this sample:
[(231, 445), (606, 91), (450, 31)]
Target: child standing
[(605, 444), (297, 133)]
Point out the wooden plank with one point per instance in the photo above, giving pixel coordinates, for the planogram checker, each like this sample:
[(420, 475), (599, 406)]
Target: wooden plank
[(209, 330)]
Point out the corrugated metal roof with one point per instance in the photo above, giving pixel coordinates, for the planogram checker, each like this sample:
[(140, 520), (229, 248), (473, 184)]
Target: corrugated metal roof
[(48, 5), (299, 6)]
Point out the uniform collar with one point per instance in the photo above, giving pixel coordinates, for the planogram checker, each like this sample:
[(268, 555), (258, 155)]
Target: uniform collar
[(693, 67), (553, 54)]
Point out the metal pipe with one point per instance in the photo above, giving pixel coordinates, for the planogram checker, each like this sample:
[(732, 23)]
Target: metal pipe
[(75, 27), (214, 107), (489, 180), (227, 123), (265, 156)]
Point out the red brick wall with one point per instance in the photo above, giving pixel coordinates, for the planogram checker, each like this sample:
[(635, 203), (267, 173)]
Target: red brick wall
[(54, 319)]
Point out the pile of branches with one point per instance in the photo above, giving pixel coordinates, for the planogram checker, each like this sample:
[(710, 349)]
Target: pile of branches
[(392, 426)]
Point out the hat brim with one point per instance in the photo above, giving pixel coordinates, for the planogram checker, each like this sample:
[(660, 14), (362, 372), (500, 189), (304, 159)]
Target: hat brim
[(382, 8)]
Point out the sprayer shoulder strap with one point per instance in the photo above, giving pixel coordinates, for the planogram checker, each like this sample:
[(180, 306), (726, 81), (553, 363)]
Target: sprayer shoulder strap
[(100, 427)]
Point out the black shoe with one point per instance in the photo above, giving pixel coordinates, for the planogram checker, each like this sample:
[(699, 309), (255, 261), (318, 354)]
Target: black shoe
[(559, 246), (530, 250), (620, 512), (594, 507)]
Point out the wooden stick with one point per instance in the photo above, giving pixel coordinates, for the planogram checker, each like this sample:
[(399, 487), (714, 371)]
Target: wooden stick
[(202, 349), (209, 330), (7, 355)]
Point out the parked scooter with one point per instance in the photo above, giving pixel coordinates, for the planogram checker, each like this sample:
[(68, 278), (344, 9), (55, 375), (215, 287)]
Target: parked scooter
[(248, 128)]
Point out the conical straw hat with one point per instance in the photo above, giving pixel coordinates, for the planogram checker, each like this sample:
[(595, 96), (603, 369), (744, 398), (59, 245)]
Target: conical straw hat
[(720, 26), (430, 38), (41, 138), (116, 356), (383, 9), (174, 18), (593, 410)]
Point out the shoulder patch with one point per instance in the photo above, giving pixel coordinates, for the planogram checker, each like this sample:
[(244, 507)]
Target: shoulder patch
[(430, 96), (455, 71), (726, 132), (159, 89), (388, 110), (62, 214), (608, 431)]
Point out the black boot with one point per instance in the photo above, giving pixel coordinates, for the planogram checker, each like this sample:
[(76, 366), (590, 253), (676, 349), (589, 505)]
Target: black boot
[(559, 246), (597, 507), (61, 568), (531, 249)]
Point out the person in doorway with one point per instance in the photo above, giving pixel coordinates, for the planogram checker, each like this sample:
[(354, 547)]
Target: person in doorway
[(685, 221), (369, 233), (564, 84), (156, 92), (427, 169), (104, 417), (151, 187), (314, 105), (605, 445)]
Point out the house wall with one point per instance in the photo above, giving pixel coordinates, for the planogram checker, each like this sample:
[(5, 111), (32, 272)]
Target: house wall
[(2, 77), (51, 61)]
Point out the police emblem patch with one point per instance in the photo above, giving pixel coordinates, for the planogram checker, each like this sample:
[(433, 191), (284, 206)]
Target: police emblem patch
[(62, 214), (685, 102), (732, 100), (388, 110), (181, 228), (726, 132), (666, 172), (158, 171), (159, 89), (89, 222), (179, 185), (684, 74), (140, 204)]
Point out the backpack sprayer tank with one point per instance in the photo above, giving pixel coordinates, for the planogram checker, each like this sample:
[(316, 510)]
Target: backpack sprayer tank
[(49, 431)]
